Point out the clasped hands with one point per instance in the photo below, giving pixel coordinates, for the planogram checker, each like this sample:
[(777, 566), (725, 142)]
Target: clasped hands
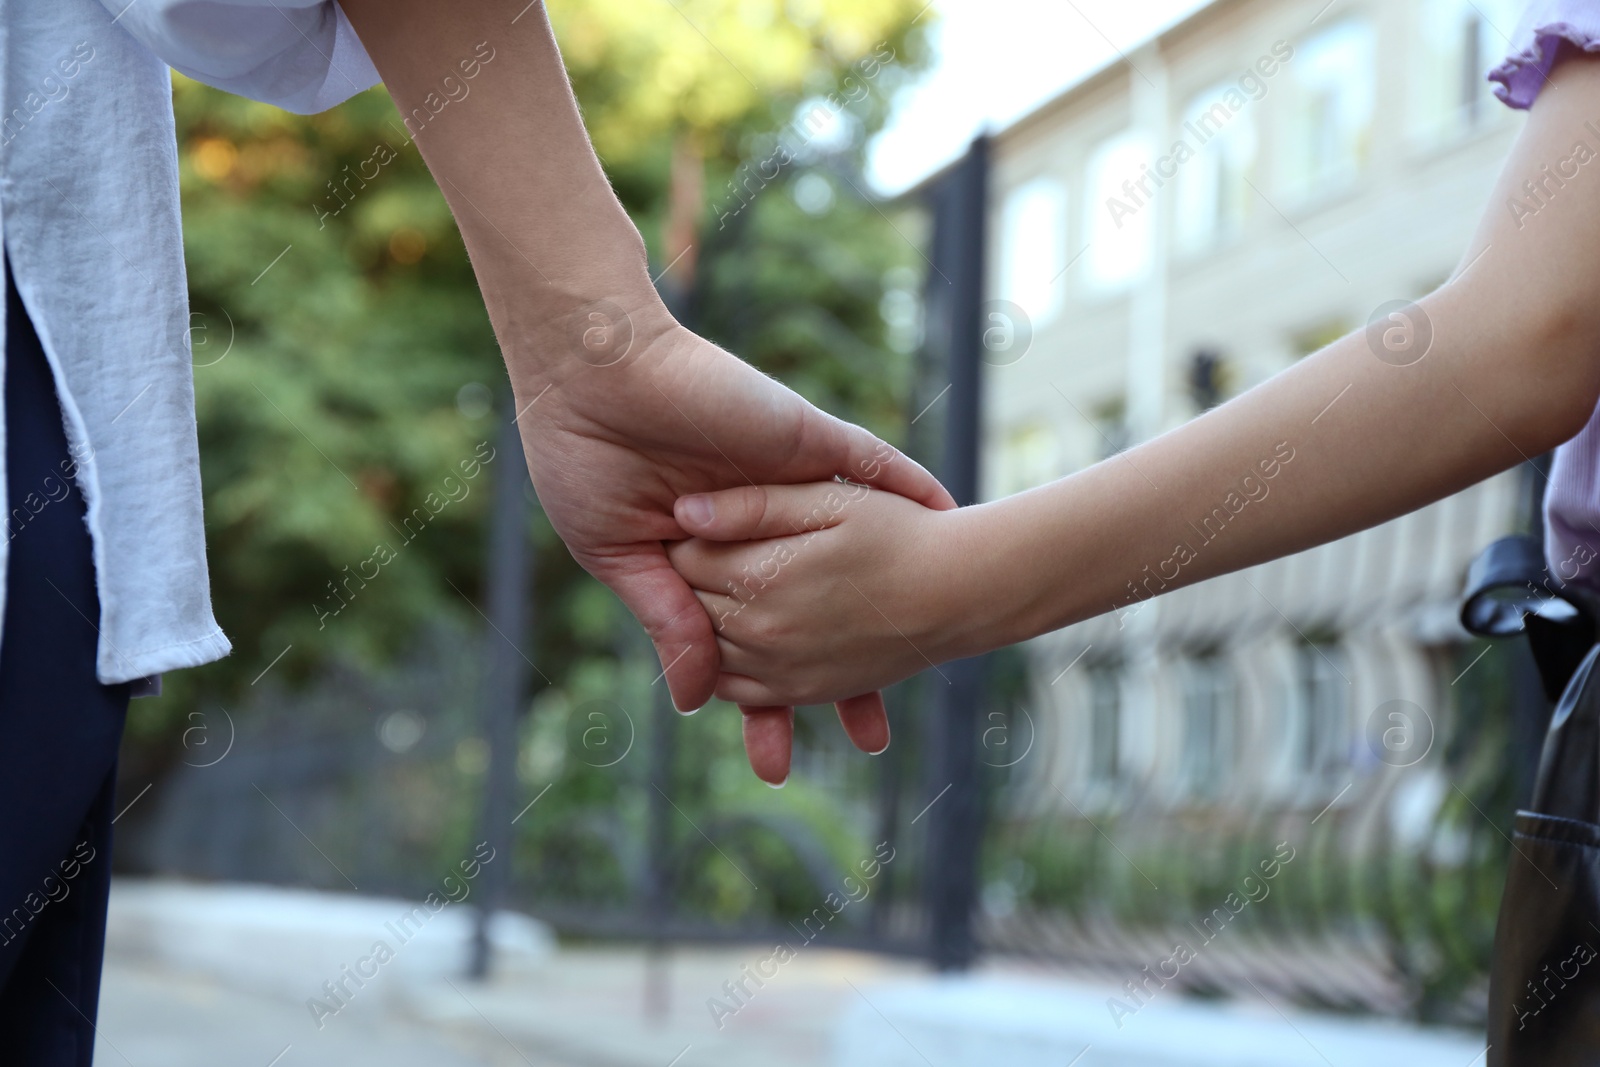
[(707, 496), (820, 591)]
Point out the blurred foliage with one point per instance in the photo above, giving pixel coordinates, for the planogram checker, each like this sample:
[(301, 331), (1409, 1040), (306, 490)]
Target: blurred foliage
[(724, 71), (345, 376)]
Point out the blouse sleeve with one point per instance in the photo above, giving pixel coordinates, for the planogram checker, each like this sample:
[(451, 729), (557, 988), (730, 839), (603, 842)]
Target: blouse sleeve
[(302, 55), (1547, 29)]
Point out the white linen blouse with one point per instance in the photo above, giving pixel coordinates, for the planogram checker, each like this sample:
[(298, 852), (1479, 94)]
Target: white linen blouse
[(90, 221)]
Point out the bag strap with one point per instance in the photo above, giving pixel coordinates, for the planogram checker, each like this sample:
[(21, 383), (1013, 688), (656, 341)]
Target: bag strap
[(1510, 591)]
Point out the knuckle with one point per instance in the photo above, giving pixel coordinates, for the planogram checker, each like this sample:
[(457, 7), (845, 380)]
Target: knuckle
[(758, 504), (763, 631), (742, 507)]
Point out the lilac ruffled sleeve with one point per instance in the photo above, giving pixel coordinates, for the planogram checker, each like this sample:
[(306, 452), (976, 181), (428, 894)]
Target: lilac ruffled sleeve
[(1546, 30)]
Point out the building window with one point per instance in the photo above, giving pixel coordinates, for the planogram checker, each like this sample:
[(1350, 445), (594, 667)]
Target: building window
[(1105, 723), (1457, 42), (1033, 235), (1208, 735), (1328, 121), (1322, 698), (1117, 228), (1213, 194)]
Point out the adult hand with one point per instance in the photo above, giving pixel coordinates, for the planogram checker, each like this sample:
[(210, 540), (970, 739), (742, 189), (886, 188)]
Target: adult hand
[(621, 410), (632, 423)]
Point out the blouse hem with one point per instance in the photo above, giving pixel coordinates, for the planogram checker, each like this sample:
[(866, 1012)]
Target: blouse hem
[(115, 668)]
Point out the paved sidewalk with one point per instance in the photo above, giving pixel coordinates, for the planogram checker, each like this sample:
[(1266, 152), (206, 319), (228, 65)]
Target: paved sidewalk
[(150, 1017), (220, 974), (589, 1008), (1040, 1021), (194, 988), (619, 1007)]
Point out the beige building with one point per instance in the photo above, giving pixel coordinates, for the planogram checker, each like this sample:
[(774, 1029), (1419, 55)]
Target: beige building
[(1177, 227)]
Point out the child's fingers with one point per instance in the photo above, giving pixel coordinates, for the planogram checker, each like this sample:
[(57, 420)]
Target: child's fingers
[(722, 609), (757, 512), (743, 690), (709, 566), (865, 722), (739, 658), (768, 741)]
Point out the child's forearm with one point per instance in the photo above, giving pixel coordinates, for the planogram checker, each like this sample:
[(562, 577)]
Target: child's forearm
[(1348, 439), (1274, 472)]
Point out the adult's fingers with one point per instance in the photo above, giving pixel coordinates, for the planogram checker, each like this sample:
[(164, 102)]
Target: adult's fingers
[(861, 457), (672, 617), (769, 733), (865, 722), (768, 741), (756, 512), (711, 567)]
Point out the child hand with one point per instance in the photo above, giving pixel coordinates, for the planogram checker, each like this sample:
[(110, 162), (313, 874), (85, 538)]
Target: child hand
[(820, 592)]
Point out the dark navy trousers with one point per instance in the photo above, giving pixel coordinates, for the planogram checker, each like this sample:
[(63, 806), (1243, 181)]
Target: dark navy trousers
[(59, 732)]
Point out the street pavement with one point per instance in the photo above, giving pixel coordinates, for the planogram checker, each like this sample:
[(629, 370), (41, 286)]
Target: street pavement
[(151, 1017), (231, 976), (590, 1007)]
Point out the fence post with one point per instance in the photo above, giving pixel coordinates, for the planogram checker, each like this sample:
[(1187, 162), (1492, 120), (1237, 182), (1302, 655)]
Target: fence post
[(505, 676), (955, 324)]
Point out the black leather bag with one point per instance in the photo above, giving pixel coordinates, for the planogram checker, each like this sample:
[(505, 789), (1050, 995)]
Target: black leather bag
[(1544, 987)]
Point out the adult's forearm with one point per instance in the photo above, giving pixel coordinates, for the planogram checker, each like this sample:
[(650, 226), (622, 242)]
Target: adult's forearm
[(547, 236)]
